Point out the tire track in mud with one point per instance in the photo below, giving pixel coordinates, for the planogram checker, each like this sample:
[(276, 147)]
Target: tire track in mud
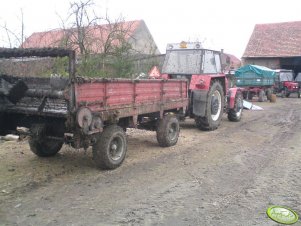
[(205, 174), (137, 214), (262, 156), (150, 210), (35, 184), (31, 173)]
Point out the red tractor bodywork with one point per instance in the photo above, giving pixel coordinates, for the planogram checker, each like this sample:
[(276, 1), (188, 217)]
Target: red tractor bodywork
[(203, 82), (291, 86)]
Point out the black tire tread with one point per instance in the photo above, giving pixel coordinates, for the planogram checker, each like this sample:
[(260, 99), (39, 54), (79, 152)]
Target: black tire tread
[(162, 131), (205, 123), (43, 146), (99, 149), (232, 116)]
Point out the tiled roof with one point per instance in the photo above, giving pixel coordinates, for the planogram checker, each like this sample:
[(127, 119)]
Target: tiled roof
[(234, 61), (275, 40), (94, 35), (230, 61)]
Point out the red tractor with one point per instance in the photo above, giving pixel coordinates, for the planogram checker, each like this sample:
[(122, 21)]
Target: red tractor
[(285, 84), (209, 91)]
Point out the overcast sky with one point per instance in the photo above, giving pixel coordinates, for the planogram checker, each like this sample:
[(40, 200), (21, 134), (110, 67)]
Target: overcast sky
[(220, 24)]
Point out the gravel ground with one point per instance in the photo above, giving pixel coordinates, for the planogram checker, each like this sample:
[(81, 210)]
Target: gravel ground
[(224, 177)]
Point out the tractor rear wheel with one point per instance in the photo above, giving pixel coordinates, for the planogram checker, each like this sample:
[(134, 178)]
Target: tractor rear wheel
[(168, 131), (235, 114), (214, 108), (110, 147)]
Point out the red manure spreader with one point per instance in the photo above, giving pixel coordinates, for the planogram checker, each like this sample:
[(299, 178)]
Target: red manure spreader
[(86, 112)]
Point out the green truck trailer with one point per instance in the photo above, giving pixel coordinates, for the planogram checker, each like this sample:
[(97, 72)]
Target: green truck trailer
[(255, 80)]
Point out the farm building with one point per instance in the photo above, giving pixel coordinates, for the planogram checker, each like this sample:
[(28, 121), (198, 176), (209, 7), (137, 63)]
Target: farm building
[(98, 38), (275, 45), (129, 40), (230, 62)]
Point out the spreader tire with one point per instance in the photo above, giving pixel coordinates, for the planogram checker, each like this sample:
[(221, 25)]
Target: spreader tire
[(168, 130), (42, 145), (110, 147)]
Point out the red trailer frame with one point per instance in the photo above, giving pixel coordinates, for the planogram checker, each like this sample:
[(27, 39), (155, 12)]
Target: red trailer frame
[(129, 98)]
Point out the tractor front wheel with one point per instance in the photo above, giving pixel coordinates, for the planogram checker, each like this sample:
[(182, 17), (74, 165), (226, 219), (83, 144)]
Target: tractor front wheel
[(235, 114)]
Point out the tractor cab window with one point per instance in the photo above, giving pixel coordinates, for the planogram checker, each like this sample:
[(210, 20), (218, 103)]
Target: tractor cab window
[(211, 62), (286, 76), (218, 63), (298, 77), (181, 61)]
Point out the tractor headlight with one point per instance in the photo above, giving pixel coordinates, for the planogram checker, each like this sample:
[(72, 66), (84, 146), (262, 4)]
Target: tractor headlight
[(197, 46)]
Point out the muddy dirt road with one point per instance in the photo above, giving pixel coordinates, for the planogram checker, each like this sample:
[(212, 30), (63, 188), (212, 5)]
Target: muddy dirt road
[(224, 177)]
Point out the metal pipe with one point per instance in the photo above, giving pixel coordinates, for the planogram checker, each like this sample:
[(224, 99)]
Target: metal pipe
[(45, 93)]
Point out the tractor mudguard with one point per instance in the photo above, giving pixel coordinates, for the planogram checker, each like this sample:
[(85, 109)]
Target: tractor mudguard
[(199, 100), (231, 97)]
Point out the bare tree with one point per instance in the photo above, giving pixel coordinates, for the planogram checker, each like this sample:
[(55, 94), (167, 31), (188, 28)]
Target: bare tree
[(22, 28), (14, 38), (83, 19), (94, 35)]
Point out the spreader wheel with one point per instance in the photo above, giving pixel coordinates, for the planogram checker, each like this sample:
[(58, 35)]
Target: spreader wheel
[(46, 140), (168, 131), (110, 147)]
